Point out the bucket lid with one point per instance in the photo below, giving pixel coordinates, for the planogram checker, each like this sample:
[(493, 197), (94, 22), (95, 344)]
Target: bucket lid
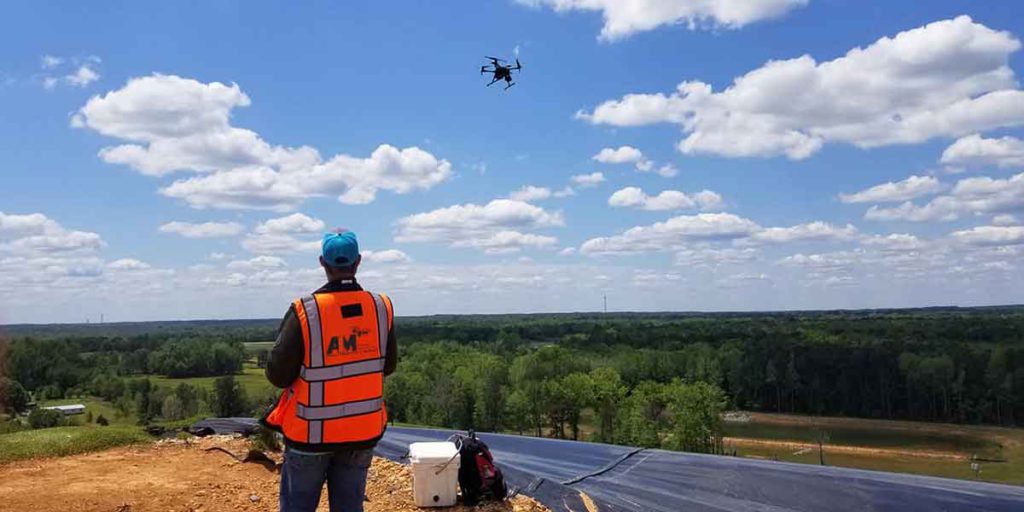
[(431, 453)]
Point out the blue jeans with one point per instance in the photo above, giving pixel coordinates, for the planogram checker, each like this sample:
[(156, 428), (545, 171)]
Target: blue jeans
[(304, 473)]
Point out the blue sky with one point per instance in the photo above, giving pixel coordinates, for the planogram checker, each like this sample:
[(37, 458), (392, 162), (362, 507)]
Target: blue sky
[(180, 162)]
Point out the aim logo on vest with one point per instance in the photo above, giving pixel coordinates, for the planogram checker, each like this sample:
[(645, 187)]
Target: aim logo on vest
[(349, 344)]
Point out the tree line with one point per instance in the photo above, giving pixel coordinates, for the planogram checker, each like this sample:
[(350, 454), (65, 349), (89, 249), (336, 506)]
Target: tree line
[(630, 378), (547, 391), (951, 365), (116, 369)]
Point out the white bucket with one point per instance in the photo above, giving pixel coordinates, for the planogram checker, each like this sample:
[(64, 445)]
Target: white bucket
[(435, 473)]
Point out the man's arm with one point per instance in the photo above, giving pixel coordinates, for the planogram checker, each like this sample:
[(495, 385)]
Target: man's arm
[(286, 357), (391, 357)]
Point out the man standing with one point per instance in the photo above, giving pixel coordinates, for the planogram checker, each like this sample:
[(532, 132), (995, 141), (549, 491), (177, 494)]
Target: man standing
[(333, 349)]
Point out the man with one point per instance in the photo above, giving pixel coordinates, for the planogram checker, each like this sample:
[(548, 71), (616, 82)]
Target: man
[(333, 349)]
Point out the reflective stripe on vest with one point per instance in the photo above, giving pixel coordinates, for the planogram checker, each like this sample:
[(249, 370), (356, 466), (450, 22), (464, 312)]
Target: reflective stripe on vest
[(342, 371), (382, 323), (331, 412), (316, 360)]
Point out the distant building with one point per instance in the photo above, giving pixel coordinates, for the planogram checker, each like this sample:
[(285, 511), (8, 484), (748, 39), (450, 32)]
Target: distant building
[(68, 410)]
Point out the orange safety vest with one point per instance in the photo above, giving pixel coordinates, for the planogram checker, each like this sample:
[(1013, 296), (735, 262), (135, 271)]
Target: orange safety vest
[(338, 396)]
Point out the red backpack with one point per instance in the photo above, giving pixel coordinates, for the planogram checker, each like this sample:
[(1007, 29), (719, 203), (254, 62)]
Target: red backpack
[(479, 478)]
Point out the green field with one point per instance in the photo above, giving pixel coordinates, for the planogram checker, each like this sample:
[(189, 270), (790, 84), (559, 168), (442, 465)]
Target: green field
[(908, 439), (251, 379), (96, 406), (935, 449), (61, 441), (254, 347)]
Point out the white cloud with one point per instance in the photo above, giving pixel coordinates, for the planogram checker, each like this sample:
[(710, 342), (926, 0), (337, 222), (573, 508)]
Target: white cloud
[(634, 197), (745, 279), (631, 155), (980, 195), (83, 76), (128, 264), (290, 224), (385, 256), (990, 235), (50, 61), (894, 242), (1005, 219), (622, 155), (495, 227), (707, 257), (256, 263), (27, 224), (530, 193), (175, 124), (910, 188), (833, 261), (81, 72), (507, 241), (565, 192), (811, 231), (278, 236), (666, 171), (588, 180), (36, 234), (690, 236), (202, 230), (623, 18), (977, 151), (945, 79), (673, 233)]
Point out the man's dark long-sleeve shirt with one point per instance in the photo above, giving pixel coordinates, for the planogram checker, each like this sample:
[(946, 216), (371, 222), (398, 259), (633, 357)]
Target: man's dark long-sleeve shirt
[(286, 357)]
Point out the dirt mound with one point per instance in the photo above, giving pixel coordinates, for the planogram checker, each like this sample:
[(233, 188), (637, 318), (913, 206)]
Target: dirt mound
[(186, 477)]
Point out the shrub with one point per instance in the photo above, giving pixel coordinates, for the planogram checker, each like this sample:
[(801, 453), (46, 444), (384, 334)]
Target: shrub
[(172, 408), (102, 421), (229, 397), (45, 418), (13, 397)]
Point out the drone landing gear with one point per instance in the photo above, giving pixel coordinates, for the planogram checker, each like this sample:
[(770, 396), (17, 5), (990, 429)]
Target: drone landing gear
[(492, 82), (510, 84)]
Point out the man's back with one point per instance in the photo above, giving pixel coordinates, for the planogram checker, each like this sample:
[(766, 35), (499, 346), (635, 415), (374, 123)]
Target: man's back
[(333, 349)]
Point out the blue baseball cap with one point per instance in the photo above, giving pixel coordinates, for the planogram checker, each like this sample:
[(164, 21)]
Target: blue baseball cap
[(340, 249)]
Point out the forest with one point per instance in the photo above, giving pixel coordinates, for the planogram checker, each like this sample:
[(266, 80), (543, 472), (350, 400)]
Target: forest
[(659, 379)]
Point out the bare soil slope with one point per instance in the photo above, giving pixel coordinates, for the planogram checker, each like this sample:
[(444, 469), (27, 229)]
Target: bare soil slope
[(179, 477)]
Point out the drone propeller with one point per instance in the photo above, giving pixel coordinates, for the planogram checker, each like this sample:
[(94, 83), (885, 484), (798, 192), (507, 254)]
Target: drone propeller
[(495, 59)]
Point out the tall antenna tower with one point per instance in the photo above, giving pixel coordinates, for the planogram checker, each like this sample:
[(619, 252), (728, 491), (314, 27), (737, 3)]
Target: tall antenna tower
[(606, 304)]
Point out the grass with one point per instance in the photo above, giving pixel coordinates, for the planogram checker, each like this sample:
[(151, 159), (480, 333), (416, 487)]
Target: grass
[(62, 441), (896, 441), (96, 406), (251, 379), (254, 347), (878, 437)]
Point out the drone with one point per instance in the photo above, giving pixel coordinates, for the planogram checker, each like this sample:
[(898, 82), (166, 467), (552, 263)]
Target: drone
[(500, 71)]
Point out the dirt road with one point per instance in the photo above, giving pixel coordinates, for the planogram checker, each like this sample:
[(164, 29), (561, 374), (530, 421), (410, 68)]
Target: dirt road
[(175, 477)]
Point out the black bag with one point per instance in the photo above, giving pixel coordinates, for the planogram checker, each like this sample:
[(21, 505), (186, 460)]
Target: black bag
[(479, 478)]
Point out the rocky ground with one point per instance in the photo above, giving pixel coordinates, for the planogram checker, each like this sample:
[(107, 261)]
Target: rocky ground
[(179, 476)]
